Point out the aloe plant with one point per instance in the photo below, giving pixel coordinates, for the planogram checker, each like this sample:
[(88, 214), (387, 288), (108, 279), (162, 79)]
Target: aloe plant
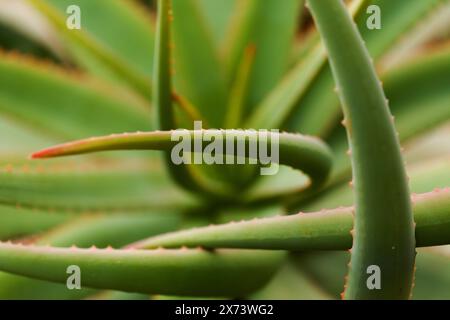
[(140, 225)]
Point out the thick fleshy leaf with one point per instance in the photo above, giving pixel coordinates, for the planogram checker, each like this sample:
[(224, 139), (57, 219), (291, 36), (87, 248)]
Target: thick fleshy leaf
[(116, 45), (110, 230), (269, 26), (382, 199), (191, 272), (326, 230), (15, 222), (303, 153), (397, 18), (424, 177), (418, 98), (305, 100), (198, 74), (218, 13), (97, 188), (278, 105), (431, 280), (91, 230), (62, 105)]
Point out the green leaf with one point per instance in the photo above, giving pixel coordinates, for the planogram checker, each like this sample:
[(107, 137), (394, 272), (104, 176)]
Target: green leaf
[(424, 177), (276, 107), (16, 222), (62, 105), (431, 279), (113, 187), (91, 230), (239, 90), (397, 18), (115, 230), (419, 100), (196, 272), (189, 179), (198, 74), (304, 100), (118, 46), (218, 14), (318, 112), (324, 230), (269, 26), (303, 153), (381, 189)]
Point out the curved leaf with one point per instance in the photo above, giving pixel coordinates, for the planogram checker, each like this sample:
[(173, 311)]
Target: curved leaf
[(116, 46), (114, 188), (193, 272), (198, 74), (381, 190), (63, 105), (269, 26), (304, 153), (325, 230)]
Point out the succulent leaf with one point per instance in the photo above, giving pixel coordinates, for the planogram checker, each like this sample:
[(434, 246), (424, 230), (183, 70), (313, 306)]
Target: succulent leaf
[(324, 230), (381, 190), (102, 45), (191, 272)]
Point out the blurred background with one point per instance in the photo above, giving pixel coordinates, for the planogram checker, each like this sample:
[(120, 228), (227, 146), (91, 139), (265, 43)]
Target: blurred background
[(45, 71)]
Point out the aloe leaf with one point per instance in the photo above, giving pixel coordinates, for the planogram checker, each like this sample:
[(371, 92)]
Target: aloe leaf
[(431, 278), (63, 105), (85, 231), (418, 98), (198, 74), (112, 188), (218, 14), (381, 189), (190, 111), (306, 94), (16, 222), (418, 104), (239, 91), (304, 153), (110, 230), (424, 177), (279, 104), (174, 272), (397, 19), (276, 107), (187, 177), (117, 46), (324, 230), (269, 26)]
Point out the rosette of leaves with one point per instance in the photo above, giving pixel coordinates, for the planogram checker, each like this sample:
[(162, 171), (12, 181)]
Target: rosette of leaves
[(139, 226)]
